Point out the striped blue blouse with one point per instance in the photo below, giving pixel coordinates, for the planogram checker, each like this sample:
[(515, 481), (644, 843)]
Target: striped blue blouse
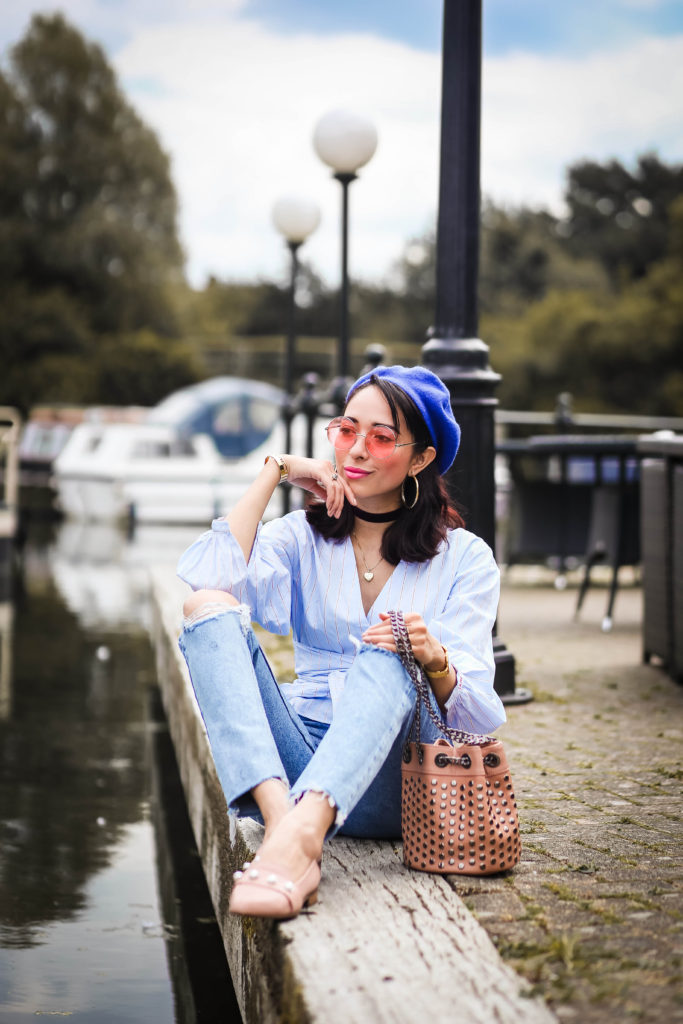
[(297, 580)]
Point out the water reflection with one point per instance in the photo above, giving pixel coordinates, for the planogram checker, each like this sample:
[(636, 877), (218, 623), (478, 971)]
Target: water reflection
[(69, 782), (202, 988), (6, 629), (102, 574), (82, 928)]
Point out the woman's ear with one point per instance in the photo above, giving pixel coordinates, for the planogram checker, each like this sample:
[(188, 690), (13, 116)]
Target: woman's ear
[(422, 459)]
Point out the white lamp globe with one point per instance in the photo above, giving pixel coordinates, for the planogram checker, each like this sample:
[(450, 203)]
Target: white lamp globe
[(344, 141), (295, 218)]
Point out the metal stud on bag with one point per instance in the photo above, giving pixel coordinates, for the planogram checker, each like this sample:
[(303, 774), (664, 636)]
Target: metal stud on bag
[(458, 809)]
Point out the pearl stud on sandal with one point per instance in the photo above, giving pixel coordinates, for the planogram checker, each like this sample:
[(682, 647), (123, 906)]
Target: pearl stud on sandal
[(264, 890)]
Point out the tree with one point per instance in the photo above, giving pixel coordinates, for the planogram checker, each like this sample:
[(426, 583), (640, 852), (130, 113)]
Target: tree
[(621, 217), (88, 210), (524, 257), (612, 351)]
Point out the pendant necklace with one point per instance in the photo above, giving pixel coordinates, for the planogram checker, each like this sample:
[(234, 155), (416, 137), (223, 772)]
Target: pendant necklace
[(369, 573)]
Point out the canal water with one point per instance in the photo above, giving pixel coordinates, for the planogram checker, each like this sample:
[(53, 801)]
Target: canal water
[(104, 912)]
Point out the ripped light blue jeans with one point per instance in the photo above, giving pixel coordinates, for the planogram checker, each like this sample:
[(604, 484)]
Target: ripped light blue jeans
[(256, 735)]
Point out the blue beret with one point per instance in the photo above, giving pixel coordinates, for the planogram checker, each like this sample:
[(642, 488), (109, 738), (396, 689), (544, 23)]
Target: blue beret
[(432, 398)]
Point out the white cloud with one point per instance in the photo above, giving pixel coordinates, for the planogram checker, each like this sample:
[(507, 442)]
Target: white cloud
[(541, 114), (237, 107), (236, 104)]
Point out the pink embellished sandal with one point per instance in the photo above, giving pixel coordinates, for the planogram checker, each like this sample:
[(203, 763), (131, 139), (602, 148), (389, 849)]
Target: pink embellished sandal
[(263, 889)]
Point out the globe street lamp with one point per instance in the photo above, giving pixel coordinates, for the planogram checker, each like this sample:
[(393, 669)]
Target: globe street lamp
[(345, 142), (295, 219)]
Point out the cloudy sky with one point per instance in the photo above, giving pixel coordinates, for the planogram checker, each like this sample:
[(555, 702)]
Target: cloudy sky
[(234, 89)]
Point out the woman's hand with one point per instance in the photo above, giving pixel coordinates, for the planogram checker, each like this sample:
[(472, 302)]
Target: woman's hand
[(426, 648), (322, 479)]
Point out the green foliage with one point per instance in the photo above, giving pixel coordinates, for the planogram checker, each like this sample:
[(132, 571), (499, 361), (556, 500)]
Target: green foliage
[(524, 257), (88, 237), (592, 304), (142, 368), (621, 217), (551, 339), (44, 341), (613, 352)]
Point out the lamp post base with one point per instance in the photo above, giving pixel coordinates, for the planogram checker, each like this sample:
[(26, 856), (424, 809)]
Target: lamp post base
[(463, 366), (504, 681)]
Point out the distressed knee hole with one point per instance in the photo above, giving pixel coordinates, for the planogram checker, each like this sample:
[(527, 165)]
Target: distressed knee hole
[(200, 598), (209, 604)]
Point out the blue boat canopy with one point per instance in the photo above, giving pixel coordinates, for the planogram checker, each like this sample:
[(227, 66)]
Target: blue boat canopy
[(237, 413)]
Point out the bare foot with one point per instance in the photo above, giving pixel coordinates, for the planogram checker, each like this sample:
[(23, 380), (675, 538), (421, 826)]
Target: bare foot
[(297, 838), (272, 797)]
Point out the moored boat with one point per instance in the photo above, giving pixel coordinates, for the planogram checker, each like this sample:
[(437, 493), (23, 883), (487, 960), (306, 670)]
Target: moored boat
[(189, 461)]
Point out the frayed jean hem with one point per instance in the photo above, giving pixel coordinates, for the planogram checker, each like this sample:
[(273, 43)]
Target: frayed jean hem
[(213, 610), (321, 794), (245, 806)]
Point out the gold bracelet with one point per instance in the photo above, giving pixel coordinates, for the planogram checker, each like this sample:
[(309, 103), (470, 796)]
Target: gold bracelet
[(442, 672), (282, 465)]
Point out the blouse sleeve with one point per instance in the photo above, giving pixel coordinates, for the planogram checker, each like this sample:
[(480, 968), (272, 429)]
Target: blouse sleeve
[(215, 561), (465, 629)]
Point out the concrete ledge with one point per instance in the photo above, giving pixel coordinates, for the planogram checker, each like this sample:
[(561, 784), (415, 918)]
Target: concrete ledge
[(383, 944)]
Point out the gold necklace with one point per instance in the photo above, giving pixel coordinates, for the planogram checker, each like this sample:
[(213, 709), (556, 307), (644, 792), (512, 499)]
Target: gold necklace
[(369, 573)]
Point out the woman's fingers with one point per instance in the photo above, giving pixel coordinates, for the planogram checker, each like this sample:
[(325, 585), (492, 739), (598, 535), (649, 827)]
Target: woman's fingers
[(322, 479), (381, 634), (338, 491), (415, 624), (385, 644), (342, 488)]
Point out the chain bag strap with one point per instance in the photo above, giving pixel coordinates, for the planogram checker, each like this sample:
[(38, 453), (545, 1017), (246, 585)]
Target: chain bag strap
[(458, 808)]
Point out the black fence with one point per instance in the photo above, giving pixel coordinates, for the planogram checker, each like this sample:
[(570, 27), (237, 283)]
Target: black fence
[(661, 462), (571, 499)]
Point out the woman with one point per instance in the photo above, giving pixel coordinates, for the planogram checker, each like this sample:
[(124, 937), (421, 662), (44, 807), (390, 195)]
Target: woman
[(323, 754)]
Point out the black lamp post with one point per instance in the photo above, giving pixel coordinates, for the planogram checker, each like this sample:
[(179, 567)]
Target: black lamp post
[(345, 142), (295, 219), (453, 350)]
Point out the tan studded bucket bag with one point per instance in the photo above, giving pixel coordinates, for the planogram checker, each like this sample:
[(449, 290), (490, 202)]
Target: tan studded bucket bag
[(458, 808)]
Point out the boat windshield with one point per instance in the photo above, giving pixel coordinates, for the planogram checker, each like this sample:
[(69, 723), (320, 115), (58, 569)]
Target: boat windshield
[(237, 420), (155, 448)]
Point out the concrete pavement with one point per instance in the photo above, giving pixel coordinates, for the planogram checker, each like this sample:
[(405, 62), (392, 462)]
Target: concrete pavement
[(593, 916)]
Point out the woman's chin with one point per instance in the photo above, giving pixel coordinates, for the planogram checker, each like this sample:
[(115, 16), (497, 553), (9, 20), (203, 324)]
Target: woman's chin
[(377, 502)]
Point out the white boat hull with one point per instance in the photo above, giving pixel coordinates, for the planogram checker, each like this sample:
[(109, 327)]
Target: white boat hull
[(118, 472)]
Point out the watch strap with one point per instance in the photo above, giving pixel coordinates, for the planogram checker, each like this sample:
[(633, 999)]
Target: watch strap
[(282, 466)]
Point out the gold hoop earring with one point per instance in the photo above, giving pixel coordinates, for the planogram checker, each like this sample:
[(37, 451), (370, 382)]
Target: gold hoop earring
[(403, 492)]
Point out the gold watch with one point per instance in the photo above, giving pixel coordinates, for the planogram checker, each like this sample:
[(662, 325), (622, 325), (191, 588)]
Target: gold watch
[(282, 466), (442, 672)]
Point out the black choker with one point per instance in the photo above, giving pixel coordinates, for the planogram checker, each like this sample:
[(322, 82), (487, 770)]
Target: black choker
[(376, 517)]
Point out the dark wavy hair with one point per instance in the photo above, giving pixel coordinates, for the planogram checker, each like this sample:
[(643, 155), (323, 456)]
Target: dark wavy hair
[(417, 533)]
